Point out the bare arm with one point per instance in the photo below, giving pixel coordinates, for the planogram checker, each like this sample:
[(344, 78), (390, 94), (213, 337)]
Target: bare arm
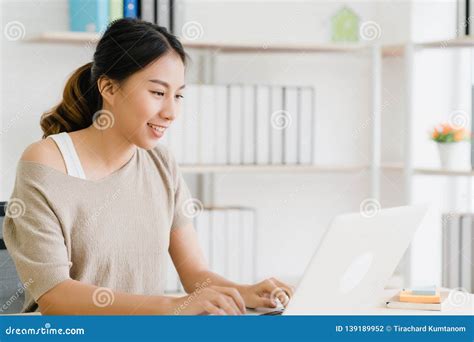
[(194, 273), (72, 297)]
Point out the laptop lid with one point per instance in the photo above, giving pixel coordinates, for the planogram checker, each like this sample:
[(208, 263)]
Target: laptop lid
[(355, 259)]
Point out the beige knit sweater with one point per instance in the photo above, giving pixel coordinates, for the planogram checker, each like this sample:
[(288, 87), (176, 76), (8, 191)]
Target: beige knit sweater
[(113, 232)]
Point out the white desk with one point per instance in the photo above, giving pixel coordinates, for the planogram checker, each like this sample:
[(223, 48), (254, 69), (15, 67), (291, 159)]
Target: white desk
[(467, 308)]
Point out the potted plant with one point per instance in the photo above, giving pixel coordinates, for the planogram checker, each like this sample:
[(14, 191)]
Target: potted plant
[(449, 139)]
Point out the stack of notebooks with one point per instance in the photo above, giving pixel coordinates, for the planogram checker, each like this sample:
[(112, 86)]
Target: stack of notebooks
[(241, 124), (424, 298), (94, 15), (227, 237)]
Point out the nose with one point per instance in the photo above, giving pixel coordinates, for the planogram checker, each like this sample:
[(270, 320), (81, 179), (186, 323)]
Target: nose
[(168, 111)]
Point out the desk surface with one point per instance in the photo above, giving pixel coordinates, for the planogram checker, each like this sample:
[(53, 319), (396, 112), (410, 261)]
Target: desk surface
[(466, 307), (461, 305)]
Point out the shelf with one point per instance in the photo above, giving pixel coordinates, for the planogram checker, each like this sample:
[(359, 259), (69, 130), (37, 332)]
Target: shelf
[(388, 50), (86, 37), (271, 168), (443, 172), (397, 50)]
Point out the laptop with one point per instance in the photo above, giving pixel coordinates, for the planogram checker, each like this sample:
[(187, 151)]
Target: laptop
[(355, 259)]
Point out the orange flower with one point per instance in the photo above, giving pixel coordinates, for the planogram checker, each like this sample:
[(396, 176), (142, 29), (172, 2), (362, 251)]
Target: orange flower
[(459, 135), (435, 134), (446, 128)]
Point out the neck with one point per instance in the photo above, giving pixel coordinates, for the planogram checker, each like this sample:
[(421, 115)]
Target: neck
[(108, 146)]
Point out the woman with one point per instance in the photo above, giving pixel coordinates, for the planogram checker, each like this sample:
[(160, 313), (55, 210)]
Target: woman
[(101, 203)]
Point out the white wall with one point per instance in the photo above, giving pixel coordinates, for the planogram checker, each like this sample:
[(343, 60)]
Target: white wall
[(293, 209)]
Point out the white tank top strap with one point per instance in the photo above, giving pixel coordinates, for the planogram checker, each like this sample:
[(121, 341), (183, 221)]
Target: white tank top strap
[(69, 153)]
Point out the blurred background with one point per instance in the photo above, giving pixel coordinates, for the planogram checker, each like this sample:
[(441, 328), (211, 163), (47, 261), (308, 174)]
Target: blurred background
[(389, 110)]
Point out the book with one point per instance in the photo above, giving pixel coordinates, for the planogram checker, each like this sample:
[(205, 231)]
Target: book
[(278, 120), (207, 122), (290, 132), (408, 296), (394, 303), (248, 127), (219, 249), (130, 9), (163, 13), (263, 116), (191, 118), (203, 229), (115, 9), (221, 143), (88, 16), (234, 124), (306, 126), (147, 10)]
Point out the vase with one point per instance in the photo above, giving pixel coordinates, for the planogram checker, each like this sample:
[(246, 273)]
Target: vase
[(453, 155)]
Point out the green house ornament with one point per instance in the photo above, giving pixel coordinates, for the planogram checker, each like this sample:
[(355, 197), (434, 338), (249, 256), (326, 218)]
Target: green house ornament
[(345, 26)]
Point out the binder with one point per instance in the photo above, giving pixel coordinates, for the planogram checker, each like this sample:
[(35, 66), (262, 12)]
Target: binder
[(115, 9), (89, 16), (191, 119), (277, 120), (263, 124), (130, 8), (163, 13), (290, 133), (305, 126), (249, 246), (207, 123), (219, 242), (234, 244), (234, 124), (172, 279), (203, 227), (147, 10), (248, 124), (221, 144), (175, 136)]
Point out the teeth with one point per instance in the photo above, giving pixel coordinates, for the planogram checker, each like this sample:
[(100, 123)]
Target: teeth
[(157, 128)]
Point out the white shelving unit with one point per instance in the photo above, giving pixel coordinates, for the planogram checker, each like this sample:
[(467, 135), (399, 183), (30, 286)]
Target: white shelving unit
[(377, 53)]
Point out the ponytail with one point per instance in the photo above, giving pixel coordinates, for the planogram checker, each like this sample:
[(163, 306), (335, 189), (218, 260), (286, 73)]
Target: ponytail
[(81, 99)]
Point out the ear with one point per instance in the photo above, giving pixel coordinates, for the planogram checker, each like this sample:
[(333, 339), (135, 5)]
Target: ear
[(108, 89)]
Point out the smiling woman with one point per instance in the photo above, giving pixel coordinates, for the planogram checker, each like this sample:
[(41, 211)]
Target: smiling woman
[(103, 203)]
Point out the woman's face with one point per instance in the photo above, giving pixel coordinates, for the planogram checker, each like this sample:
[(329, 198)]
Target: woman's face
[(149, 101)]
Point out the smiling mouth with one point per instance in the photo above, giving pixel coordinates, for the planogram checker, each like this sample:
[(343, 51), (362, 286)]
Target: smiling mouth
[(157, 128)]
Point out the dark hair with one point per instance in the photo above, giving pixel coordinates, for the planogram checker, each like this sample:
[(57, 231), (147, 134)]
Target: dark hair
[(127, 46)]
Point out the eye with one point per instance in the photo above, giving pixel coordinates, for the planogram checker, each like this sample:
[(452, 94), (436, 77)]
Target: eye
[(160, 93), (179, 96)]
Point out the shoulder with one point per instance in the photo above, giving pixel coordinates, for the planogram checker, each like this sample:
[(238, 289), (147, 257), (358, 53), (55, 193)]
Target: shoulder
[(45, 152)]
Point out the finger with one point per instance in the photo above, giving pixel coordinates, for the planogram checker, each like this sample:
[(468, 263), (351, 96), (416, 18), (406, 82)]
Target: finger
[(212, 309), (229, 307), (288, 289), (263, 302), (235, 295)]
